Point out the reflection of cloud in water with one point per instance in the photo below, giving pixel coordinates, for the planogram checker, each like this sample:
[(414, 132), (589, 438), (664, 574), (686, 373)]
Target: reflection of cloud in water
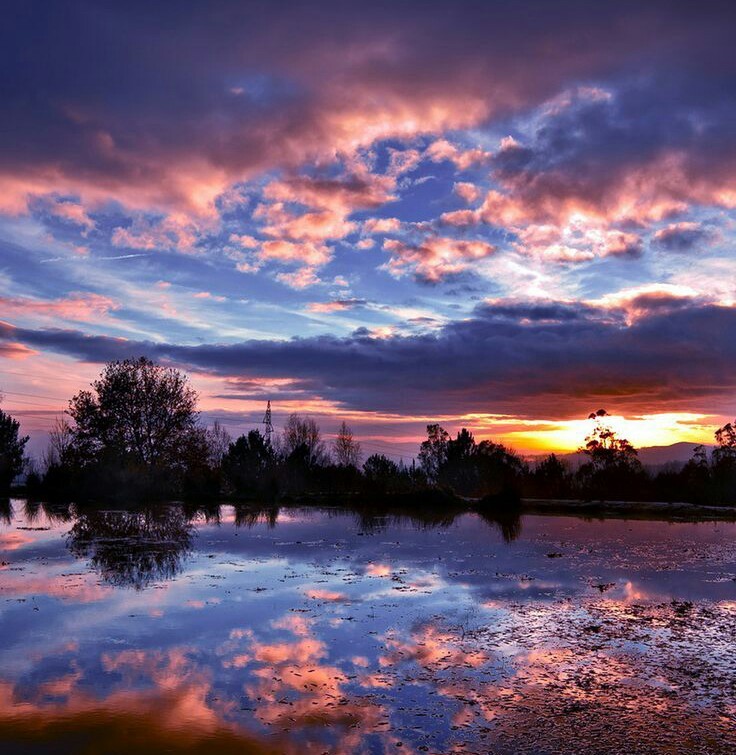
[(161, 702), (294, 685)]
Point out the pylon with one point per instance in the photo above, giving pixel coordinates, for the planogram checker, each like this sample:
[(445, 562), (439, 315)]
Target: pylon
[(267, 422)]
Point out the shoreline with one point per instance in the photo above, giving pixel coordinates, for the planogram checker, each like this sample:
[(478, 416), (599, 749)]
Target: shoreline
[(441, 502), (675, 511)]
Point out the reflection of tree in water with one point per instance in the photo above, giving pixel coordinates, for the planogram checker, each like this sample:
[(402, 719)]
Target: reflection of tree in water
[(55, 513), (250, 516), (208, 512), (133, 548), (6, 511), (508, 522), (378, 519)]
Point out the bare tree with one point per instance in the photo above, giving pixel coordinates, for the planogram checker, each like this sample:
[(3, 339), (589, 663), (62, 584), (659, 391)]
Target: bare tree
[(218, 443), (345, 449), (61, 443), (302, 434)]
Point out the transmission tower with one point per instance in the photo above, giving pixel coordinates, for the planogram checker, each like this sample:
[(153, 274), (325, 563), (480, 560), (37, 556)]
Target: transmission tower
[(267, 422)]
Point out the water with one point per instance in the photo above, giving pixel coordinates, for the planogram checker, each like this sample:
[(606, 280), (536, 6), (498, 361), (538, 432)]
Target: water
[(327, 631)]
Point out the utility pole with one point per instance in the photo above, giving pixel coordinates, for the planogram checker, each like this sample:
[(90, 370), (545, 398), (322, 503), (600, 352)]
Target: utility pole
[(267, 422)]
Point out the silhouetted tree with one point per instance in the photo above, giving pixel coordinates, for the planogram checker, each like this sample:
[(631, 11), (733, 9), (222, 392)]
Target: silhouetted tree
[(723, 464), (301, 440), (218, 444), (345, 449), (136, 434), (433, 451), (12, 446), (137, 409), (551, 478), (61, 443), (459, 468), (501, 472), (381, 473), (613, 469), (248, 465)]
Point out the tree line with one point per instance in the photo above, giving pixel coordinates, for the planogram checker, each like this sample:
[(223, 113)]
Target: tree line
[(136, 433)]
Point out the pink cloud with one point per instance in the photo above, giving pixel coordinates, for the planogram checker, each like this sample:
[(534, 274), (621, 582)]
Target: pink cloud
[(244, 240), (312, 226), (75, 213), (311, 254), (442, 149), (330, 306), (16, 351), (435, 258), (175, 231), (80, 307), (302, 278), (382, 225), (467, 191)]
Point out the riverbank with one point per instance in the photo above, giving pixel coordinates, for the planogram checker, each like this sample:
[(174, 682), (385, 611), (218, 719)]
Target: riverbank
[(676, 511), (441, 502)]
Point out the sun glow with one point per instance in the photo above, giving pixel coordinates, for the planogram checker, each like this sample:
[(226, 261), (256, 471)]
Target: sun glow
[(645, 430)]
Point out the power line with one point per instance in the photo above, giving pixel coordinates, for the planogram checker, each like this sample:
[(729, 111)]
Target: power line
[(372, 445), (31, 395)]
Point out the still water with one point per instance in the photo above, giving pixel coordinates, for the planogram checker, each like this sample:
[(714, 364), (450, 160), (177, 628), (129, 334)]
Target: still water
[(297, 630)]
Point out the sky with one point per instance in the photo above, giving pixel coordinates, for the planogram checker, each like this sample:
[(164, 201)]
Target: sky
[(499, 215)]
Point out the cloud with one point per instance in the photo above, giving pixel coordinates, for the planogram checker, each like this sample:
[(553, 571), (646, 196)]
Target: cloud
[(276, 90), (555, 360), (304, 277), (681, 237), (80, 307), (15, 351), (467, 191), (175, 231), (337, 305), (434, 259), (382, 225), (442, 149)]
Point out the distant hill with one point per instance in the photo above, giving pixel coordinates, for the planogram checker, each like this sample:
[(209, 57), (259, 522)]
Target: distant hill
[(650, 456), (657, 455)]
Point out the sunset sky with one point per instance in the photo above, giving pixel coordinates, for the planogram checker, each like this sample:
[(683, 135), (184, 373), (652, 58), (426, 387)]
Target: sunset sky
[(500, 215)]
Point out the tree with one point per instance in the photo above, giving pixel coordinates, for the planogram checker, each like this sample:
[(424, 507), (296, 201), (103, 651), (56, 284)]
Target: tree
[(381, 473), (726, 437), (605, 449), (433, 451), (551, 478), (12, 446), (218, 443), (247, 463), (613, 468), (61, 443), (345, 448), (459, 469), (500, 472), (724, 464), (136, 410), (301, 439)]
